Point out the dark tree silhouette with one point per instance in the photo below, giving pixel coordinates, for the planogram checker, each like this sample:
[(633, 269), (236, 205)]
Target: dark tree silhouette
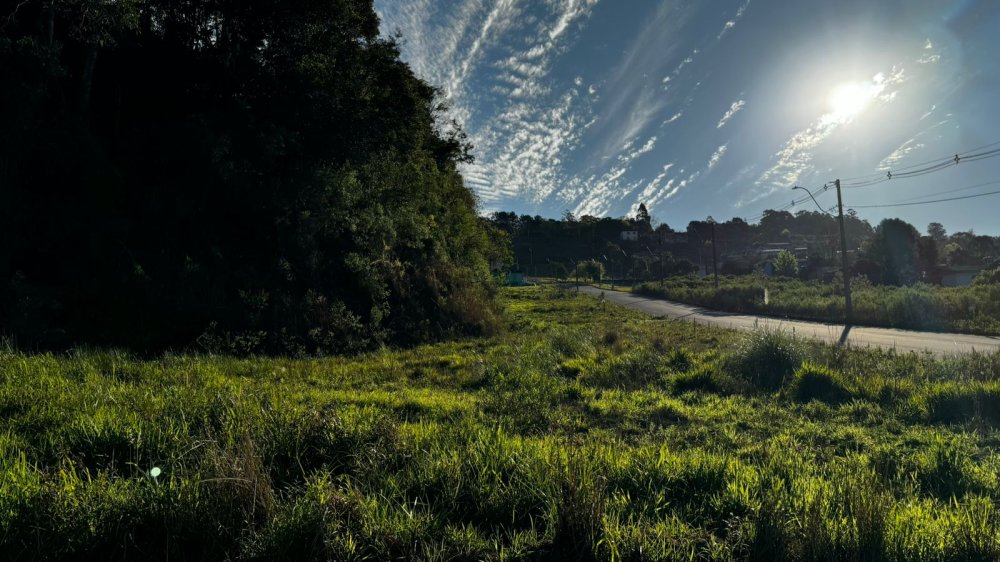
[(267, 175), (895, 247)]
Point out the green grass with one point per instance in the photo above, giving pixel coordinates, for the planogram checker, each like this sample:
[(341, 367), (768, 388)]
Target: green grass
[(586, 432), (973, 309)]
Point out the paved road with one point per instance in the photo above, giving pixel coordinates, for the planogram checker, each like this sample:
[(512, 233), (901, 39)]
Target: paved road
[(887, 338)]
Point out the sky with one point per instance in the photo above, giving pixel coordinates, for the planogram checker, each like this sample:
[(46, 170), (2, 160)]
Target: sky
[(717, 107)]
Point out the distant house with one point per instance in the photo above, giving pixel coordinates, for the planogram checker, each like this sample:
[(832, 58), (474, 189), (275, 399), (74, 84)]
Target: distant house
[(630, 235), (960, 275)]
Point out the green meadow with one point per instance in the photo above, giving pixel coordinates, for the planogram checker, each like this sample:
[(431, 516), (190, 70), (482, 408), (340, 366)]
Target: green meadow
[(583, 432)]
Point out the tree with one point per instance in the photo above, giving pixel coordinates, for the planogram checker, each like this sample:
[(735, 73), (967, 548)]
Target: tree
[(559, 271), (642, 218), (895, 247), (936, 231), (785, 264), (590, 269), (271, 171), (927, 253)]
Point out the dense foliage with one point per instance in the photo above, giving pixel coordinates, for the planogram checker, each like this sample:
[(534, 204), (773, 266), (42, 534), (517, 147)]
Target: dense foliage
[(973, 309), (785, 264), (586, 432), (252, 175)]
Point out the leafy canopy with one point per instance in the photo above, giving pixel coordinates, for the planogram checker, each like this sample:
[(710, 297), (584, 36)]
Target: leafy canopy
[(255, 175)]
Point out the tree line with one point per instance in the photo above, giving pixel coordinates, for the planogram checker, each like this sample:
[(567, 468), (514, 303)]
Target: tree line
[(251, 176), (893, 252)]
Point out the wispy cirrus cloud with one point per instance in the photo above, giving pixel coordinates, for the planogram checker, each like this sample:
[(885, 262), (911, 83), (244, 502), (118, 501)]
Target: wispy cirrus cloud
[(731, 112), (732, 23), (795, 158), (717, 155)]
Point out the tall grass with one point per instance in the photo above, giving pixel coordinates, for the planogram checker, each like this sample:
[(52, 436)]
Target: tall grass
[(973, 309), (552, 442)]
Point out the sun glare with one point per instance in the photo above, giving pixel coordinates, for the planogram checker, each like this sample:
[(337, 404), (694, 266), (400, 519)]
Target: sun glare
[(849, 99)]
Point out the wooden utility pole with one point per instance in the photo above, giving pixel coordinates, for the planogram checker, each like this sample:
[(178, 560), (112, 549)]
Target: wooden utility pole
[(843, 256)]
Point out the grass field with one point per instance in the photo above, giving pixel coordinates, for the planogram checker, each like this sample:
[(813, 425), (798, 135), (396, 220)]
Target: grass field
[(585, 432), (973, 309)]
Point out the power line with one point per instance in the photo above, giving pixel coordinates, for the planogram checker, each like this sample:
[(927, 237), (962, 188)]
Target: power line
[(984, 184), (944, 159), (926, 202), (906, 172)]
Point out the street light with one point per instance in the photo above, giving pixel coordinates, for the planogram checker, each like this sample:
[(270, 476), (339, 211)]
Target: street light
[(843, 249)]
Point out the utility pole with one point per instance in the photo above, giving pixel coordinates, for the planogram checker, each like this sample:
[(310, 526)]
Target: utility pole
[(843, 249), (715, 257), (843, 256)]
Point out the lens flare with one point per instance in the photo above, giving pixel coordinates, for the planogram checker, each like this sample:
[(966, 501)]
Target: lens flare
[(850, 99)]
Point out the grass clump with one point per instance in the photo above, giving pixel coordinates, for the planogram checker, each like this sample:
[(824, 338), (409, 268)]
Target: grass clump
[(955, 402), (766, 359), (816, 382)]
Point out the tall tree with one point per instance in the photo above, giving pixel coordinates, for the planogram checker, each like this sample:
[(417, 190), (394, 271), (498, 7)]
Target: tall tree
[(936, 231), (895, 246), (642, 218)]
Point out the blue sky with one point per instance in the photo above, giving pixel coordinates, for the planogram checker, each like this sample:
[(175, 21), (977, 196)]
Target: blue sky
[(715, 107)]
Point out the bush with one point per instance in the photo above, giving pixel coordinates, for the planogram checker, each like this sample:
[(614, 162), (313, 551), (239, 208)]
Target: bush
[(816, 382), (765, 359), (988, 277)]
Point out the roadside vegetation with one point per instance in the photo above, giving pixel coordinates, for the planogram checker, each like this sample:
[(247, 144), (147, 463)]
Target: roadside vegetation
[(974, 309), (583, 432)]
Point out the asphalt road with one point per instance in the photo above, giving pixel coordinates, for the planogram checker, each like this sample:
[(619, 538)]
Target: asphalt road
[(886, 338)]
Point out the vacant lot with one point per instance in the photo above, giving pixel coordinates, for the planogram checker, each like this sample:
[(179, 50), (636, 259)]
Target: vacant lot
[(586, 432)]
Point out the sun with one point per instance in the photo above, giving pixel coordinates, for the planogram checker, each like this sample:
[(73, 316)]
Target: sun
[(849, 99)]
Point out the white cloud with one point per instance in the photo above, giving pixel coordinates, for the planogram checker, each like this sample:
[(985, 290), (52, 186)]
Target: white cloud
[(732, 23), (717, 155), (733, 110), (672, 118), (499, 54)]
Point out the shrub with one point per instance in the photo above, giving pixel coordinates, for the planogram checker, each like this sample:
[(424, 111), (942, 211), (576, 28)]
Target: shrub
[(765, 359), (816, 382), (988, 277)]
